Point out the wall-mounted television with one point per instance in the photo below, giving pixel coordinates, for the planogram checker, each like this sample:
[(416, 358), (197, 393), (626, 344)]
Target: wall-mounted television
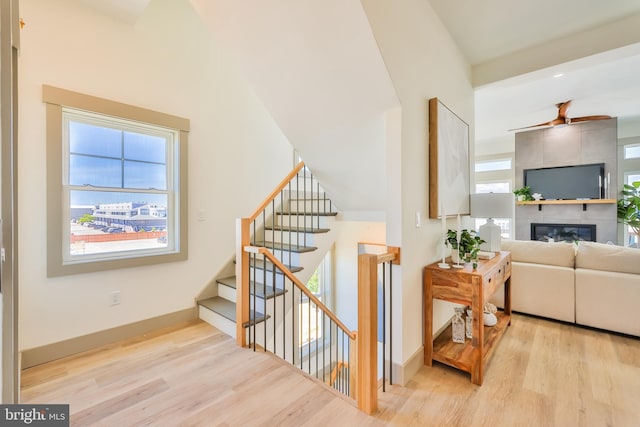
[(567, 182)]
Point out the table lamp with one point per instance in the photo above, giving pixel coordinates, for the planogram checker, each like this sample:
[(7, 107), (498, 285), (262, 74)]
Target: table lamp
[(491, 205)]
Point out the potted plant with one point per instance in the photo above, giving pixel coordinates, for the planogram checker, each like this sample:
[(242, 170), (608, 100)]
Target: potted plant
[(467, 248), (629, 207), (523, 194)]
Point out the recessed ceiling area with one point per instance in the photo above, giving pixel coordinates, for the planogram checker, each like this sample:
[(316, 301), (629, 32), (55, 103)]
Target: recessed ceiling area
[(596, 85), (586, 41), (488, 29)]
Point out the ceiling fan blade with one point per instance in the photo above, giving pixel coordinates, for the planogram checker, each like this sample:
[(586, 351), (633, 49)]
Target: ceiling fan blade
[(562, 109), (588, 118), (554, 122)]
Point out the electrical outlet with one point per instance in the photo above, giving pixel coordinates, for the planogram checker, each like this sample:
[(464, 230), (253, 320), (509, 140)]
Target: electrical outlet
[(115, 297)]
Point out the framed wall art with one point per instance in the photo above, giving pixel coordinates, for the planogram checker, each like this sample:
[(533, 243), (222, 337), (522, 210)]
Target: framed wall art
[(449, 172)]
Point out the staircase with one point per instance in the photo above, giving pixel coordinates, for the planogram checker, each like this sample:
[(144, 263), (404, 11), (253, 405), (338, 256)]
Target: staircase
[(266, 304), (297, 230)]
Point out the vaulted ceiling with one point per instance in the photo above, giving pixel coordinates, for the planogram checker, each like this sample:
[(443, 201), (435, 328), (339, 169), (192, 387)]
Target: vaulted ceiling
[(517, 51)]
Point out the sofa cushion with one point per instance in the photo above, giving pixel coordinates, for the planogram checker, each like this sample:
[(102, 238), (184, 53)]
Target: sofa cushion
[(559, 253), (604, 257)]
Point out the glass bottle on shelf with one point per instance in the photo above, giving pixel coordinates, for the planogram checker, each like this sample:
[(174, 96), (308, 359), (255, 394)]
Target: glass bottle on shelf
[(469, 321), (457, 326)]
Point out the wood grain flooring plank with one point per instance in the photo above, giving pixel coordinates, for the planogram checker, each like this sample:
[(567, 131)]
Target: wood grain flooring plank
[(543, 373)]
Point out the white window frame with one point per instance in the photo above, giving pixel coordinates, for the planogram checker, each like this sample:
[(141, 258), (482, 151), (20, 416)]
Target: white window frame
[(627, 148), (496, 160), (59, 102), (626, 229)]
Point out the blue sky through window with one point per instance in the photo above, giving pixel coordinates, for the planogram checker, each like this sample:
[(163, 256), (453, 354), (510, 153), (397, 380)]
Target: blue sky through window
[(113, 158)]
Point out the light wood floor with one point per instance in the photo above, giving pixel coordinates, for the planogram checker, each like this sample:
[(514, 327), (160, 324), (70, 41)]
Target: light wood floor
[(542, 374)]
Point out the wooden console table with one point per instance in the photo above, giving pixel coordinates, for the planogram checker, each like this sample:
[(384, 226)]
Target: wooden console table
[(472, 288)]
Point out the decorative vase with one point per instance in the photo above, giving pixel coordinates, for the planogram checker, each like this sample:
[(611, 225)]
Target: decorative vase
[(455, 256), (457, 326), (469, 326)]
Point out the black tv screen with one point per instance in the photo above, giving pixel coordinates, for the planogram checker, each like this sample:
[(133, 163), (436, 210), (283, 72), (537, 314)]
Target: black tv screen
[(567, 182)]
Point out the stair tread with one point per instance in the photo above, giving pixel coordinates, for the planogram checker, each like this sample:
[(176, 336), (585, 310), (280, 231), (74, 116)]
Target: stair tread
[(260, 265), (261, 292), (269, 266), (308, 213), (286, 246), (297, 229), (227, 309)]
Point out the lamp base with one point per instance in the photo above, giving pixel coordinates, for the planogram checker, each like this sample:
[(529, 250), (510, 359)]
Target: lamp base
[(491, 234)]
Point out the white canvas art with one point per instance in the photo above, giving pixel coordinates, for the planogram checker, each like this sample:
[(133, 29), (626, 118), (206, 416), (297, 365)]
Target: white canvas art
[(449, 144)]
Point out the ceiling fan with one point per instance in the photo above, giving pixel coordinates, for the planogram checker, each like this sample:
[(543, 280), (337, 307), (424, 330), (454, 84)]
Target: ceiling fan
[(562, 118)]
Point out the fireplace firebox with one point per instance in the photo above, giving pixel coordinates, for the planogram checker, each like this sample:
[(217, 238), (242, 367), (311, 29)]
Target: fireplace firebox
[(563, 232)]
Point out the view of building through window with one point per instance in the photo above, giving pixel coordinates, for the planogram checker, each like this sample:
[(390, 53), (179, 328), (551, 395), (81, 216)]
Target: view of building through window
[(118, 183)]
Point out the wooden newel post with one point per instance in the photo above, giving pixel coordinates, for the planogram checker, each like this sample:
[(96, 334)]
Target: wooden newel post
[(242, 283), (367, 390)]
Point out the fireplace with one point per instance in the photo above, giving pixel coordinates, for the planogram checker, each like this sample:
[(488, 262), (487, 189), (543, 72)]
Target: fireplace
[(563, 232)]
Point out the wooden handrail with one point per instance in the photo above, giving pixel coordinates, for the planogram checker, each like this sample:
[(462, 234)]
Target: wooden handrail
[(392, 252), (277, 190), (266, 252), (334, 374), (389, 256)]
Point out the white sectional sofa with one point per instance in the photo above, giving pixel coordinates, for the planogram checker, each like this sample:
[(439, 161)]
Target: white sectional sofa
[(590, 284)]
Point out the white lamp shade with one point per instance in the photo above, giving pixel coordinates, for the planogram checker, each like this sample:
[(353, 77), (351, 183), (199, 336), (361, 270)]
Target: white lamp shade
[(492, 205)]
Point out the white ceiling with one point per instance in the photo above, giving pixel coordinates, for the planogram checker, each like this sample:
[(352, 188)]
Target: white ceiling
[(550, 36), (125, 10), (498, 30)]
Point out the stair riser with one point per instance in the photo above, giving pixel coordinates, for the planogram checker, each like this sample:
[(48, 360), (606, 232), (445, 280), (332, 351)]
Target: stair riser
[(229, 293), (290, 237), (227, 326), (267, 278), (309, 206), (226, 292), (287, 258), (220, 322), (304, 221)]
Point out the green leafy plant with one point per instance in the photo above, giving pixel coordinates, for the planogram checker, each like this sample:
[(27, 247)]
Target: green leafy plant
[(525, 192), (468, 246), (629, 206), (85, 218)]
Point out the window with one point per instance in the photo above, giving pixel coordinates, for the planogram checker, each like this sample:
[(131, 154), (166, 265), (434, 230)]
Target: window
[(311, 326), (116, 184), (632, 151), (493, 165), (630, 236)]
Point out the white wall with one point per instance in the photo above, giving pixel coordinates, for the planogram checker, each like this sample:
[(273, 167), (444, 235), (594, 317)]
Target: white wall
[(349, 234), (317, 68), (167, 62), (423, 62)]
